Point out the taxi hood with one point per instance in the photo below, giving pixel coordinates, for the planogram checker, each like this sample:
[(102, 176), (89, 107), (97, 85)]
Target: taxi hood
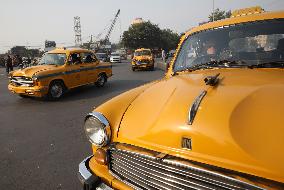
[(239, 123), (34, 70)]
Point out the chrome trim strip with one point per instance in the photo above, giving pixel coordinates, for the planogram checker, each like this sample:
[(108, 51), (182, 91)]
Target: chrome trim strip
[(194, 107), (83, 170), (99, 116)]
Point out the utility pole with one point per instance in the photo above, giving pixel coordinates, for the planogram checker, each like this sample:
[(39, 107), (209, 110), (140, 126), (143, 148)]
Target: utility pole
[(213, 12), (77, 30)]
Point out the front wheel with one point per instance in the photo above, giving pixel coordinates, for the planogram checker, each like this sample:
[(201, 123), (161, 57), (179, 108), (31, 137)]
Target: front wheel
[(102, 79), (56, 90)]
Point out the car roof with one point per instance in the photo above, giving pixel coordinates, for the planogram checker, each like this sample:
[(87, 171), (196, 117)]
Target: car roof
[(69, 50), (252, 17), (142, 49)]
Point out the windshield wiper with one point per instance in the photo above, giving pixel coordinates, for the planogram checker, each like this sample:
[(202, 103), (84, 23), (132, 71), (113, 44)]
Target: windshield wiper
[(214, 64), (271, 64)]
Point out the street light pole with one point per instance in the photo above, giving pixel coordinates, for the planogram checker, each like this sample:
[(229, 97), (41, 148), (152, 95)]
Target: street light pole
[(213, 15)]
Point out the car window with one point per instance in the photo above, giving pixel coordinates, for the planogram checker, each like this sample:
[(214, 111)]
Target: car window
[(245, 44), (142, 52), (88, 57), (74, 58), (114, 54), (53, 59)]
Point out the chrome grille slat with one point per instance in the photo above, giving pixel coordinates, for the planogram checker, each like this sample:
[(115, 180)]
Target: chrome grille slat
[(167, 176), (21, 81), (147, 172), (139, 180), (188, 174), (158, 179)]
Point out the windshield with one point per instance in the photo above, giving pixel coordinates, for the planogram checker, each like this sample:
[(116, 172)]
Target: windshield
[(101, 55), (53, 59), (115, 54), (243, 44), (144, 52)]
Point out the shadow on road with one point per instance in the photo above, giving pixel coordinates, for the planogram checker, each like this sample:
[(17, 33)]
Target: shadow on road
[(91, 91)]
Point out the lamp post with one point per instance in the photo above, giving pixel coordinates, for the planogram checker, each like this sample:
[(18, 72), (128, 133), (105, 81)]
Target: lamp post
[(213, 15)]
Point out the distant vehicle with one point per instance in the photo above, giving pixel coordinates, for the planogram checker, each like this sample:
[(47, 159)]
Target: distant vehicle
[(143, 59), (58, 71), (115, 58), (102, 57), (122, 53)]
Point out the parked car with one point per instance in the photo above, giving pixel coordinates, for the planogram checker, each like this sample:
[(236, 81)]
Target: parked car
[(115, 58), (58, 71), (214, 122), (102, 57), (143, 59)]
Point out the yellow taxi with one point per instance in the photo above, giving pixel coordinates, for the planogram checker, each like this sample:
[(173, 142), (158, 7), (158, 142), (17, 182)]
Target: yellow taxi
[(58, 71), (142, 59), (214, 122)]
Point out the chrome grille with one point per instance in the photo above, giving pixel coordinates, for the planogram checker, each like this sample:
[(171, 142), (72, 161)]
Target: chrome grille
[(21, 81), (147, 172)]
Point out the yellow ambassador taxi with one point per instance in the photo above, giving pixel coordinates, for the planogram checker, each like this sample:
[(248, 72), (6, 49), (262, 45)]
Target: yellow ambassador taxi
[(143, 59), (58, 71), (214, 122)]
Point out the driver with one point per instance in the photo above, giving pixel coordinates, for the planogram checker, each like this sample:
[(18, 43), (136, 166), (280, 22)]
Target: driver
[(210, 47)]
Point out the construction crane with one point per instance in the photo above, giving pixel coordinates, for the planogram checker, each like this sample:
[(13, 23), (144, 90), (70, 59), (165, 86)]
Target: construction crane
[(111, 26)]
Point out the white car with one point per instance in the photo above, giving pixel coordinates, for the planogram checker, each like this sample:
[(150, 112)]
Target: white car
[(115, 58)]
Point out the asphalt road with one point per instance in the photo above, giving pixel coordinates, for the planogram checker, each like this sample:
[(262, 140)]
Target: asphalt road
[(42, 142)]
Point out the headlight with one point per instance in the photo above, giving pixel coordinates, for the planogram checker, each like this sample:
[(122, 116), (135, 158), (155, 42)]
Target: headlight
[(97, 129)]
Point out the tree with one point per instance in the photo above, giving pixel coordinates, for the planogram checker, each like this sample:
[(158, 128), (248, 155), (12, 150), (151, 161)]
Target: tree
[(148, 35), (144, 34), (169, 39), (219, 14)]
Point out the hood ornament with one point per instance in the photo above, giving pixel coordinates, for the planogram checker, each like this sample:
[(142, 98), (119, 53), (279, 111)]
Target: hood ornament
[(194, 107), (212, 80)]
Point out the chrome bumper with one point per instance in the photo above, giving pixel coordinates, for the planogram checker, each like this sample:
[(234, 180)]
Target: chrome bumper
[(89, 180)]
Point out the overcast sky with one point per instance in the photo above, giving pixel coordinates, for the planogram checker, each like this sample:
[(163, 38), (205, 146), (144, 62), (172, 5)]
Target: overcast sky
[(31, 22)]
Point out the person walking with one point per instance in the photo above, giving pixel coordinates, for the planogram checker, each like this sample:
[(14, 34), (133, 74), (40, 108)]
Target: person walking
[(8, 64), (163, 55)]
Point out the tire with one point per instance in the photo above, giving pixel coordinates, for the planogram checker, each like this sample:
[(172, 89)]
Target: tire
[(133, 68), (56, 90), (102, 79), (152, 68)]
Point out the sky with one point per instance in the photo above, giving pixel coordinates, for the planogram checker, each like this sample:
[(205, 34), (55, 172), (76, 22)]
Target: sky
[(31, 22)]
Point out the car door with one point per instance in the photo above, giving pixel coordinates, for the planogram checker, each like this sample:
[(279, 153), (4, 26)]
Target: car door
[(90, 63), (74, 74)]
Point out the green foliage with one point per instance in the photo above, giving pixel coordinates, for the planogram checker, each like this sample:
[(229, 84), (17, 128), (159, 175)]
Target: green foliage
[(148, 35), (169, 39), (219, 14), (24, 52)]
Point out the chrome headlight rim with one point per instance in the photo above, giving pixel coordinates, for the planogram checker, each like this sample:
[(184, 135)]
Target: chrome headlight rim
[(106, 127)]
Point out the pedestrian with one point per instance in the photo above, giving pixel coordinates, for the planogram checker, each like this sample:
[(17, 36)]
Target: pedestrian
[(8, 64), (163, 55), (14, 61)]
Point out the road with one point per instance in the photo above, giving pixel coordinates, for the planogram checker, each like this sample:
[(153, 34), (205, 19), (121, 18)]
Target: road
[(42, 142)]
